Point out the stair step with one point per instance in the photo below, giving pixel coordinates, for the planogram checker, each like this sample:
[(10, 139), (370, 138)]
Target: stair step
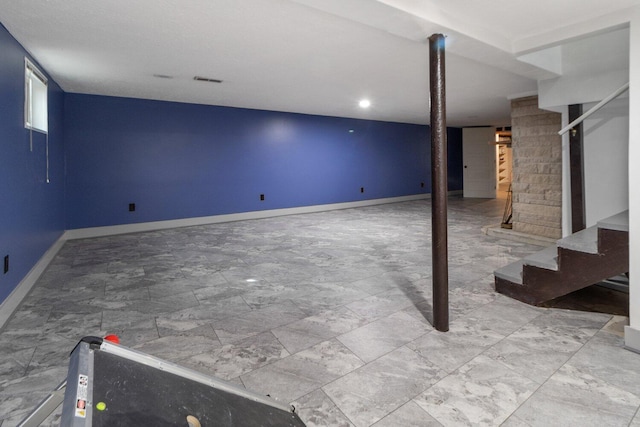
[(583, 241), (582, 265), (546, 258), (511, 272), (618, 222)]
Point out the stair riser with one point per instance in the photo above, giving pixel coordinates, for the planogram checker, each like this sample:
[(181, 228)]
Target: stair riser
[(515, 291), (576, 270)]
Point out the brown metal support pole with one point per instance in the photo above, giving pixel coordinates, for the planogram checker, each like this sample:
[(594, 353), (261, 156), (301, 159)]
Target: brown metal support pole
[(576, 168), (440, 272)]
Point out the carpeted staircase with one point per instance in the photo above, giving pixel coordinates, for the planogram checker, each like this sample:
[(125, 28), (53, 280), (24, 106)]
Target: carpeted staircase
[(575, 262)]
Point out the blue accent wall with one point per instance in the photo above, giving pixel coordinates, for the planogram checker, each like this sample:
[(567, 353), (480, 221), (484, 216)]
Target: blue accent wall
[(182, 160), (31, 210)]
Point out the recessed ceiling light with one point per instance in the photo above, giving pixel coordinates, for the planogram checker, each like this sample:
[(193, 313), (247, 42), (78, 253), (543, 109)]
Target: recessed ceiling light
[(364, 103)]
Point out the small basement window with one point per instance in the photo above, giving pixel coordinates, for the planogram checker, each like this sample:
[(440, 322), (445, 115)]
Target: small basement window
[(36, 116)]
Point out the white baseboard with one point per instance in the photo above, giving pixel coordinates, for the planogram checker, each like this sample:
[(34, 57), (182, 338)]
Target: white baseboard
[(83, 233), (632, 339), (14, 299)]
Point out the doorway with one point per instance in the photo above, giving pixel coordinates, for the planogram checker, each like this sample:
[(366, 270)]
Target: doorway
[(504, 162), (479, 162)]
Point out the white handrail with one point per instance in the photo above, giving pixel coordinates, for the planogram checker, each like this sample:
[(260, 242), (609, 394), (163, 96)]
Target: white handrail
[(593, 109)]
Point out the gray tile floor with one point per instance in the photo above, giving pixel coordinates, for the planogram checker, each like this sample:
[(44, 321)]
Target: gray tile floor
[(330, 311)]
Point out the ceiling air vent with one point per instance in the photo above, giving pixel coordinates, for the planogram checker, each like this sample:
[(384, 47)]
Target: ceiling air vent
[(206, 79)]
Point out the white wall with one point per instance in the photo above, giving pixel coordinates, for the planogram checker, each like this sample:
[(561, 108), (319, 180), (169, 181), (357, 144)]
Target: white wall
[(606, 150), (593, 68), (566, 176), (632, 332)]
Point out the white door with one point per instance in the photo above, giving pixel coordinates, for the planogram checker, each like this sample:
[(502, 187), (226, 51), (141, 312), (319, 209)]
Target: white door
[(479, 162)]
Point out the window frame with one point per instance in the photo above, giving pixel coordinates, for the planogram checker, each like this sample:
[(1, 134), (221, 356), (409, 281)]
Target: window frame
[(36, 109)]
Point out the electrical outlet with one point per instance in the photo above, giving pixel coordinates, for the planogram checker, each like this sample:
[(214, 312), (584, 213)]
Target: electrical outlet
[(6, 264), (362, 189), (262, 197), (132, 207), (422, 185)]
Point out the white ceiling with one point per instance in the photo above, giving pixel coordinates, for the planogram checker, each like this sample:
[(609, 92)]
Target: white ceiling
[(305, 56)]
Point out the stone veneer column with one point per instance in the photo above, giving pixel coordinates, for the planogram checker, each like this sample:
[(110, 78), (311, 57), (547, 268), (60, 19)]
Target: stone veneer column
[(537, 169)]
